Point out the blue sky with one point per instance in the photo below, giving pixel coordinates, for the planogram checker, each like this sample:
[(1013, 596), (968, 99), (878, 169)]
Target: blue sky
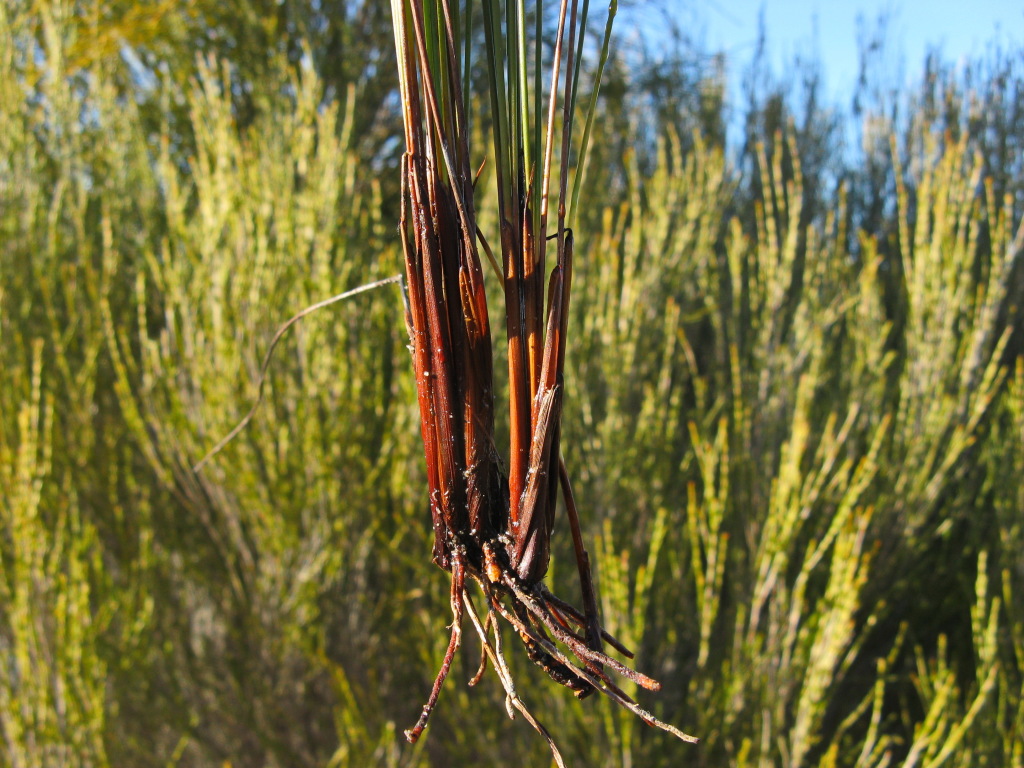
[(829, 29)]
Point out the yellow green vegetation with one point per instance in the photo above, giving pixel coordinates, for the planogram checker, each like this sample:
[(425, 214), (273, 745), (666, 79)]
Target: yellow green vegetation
[(795, 420)]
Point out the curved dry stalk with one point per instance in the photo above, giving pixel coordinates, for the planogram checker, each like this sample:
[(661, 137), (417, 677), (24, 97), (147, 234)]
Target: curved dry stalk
[(270, 351)]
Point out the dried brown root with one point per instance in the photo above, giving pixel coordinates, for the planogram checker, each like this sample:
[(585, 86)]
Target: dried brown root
[(591, 671), (569, 610), (543, 622), (483, 652), (603, 684), (457, 592), (494, 652), (537, 605)]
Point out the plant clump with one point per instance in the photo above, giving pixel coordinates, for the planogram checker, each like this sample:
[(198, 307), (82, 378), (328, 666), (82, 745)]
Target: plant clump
[(493, 526)]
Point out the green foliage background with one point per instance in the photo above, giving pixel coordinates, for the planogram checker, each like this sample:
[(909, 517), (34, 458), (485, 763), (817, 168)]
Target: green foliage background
[(795, 411)]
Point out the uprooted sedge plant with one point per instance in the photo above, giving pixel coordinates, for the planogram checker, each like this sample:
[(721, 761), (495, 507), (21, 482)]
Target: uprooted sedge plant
[(493, 526)]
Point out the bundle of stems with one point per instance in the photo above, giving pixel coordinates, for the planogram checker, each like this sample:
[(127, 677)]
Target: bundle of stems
[(493, 526)]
